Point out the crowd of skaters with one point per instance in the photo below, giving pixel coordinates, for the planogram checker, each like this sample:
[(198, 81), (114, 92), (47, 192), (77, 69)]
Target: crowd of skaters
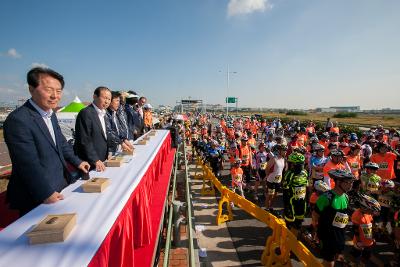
[(335, 177)]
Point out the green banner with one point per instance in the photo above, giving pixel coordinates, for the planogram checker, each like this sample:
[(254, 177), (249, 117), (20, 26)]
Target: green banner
[(230, 99)]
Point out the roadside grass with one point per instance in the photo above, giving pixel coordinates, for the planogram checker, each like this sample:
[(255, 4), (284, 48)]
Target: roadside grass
[(386, 120)]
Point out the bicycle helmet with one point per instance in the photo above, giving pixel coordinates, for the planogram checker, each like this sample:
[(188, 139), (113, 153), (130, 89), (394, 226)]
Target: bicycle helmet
[(233, 145), (337, 153), (278, 147), (214, 142), (353, 137), (296, 158), (368, 203), (321, 186), (324, 135), (238, 161), (372, 165), (343, 175), (314, 139), (354, 146), (245, 138), (319, 147), (300, 149), (387, 183)]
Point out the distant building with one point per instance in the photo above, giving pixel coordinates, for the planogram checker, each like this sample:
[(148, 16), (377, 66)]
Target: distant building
[(185, 105), (347, 109), (326, 110)]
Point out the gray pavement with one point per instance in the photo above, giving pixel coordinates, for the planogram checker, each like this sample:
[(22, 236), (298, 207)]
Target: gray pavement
[(4, 157)]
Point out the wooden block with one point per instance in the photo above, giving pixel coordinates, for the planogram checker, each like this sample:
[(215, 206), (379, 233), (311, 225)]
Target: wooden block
[(53, 228), (152, 133), (114, 161), (142, 142), (96, 185), (147, 138), (129, 153)]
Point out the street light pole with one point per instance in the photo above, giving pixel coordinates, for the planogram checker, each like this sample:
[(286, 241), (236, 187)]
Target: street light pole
[(227, 87)]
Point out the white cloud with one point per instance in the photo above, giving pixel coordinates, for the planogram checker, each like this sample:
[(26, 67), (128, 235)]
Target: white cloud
[(243, 7), (36, 64), (12, 52)]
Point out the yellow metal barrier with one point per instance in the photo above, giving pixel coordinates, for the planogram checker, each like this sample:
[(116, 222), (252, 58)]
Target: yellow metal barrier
[(282, 241), (208, 187), (199, 165)]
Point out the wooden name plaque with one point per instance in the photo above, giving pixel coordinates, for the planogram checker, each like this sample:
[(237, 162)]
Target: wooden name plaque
[(96, 185), (53, 228)]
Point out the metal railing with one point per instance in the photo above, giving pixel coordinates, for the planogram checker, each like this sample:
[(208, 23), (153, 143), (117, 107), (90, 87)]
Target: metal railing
[(189, 213), (168, 241)]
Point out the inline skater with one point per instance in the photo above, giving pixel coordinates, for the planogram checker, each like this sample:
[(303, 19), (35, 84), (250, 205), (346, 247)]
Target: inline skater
[(332, 215), (274, 170), (294, 185)]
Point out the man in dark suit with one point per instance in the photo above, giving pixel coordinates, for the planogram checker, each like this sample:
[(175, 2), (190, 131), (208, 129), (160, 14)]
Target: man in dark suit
[(117, 136), (39, 152), (91, 130), (134, 119)]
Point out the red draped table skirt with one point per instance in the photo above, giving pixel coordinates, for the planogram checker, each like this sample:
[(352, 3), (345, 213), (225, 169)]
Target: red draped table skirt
[(132, 239)]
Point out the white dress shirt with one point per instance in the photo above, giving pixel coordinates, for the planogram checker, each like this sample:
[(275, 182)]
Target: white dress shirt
[(46, 116), (101, 113)]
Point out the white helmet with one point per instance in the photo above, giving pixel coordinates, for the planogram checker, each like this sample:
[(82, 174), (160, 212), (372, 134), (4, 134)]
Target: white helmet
[(321, 186), (147, 106), (387, 183)]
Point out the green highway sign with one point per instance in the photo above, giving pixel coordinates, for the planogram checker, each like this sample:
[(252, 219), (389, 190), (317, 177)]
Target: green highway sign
[(230, 99)]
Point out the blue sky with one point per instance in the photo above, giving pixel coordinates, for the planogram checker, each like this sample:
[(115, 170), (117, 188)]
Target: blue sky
[(287, 53)]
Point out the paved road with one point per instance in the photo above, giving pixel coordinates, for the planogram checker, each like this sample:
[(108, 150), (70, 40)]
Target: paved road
[(4, 157)]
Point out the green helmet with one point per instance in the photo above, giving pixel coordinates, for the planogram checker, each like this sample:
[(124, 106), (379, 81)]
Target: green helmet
[(296, 158)]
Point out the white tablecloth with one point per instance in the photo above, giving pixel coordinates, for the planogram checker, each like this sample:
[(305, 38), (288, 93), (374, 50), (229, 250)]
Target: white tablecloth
[(96, 214)]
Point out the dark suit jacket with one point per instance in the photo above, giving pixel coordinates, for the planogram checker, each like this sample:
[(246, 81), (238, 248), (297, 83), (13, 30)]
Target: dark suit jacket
[(115, 133), (134, 120), (39, 166), (90, 141)]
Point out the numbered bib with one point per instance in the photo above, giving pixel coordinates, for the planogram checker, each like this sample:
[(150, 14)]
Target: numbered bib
[(263, 165), (384, 201), (367, 230), (237, 178), (340, 220), (372, 187), (354, 165), (383, 165), (300, 192)]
